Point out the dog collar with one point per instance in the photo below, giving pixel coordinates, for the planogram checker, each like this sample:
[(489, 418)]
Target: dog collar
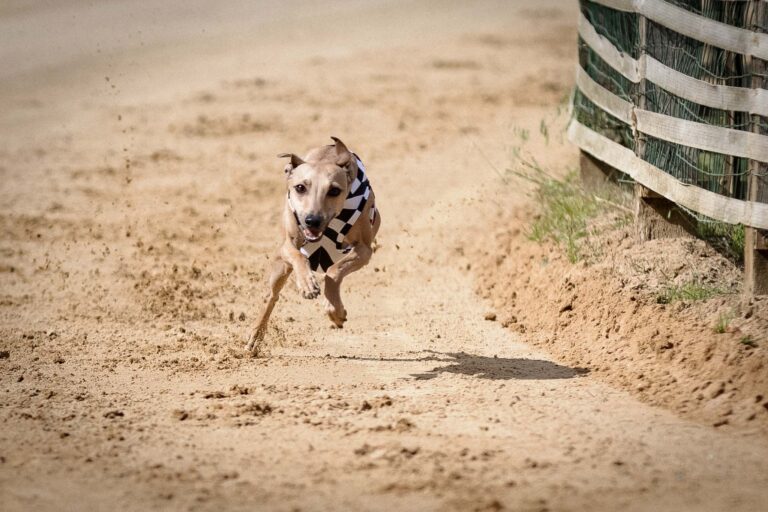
[(331, 246)]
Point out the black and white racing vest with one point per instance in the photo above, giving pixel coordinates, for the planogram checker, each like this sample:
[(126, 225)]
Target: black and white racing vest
[(332, 246)]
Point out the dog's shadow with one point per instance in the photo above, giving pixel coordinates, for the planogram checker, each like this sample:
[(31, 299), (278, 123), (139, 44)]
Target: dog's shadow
[(494, 368), (501, 368)]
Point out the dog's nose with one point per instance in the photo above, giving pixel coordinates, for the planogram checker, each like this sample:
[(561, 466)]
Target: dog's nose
[(313, 221)]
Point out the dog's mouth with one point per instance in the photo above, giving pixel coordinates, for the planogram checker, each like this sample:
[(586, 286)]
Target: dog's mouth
[(312, 234)]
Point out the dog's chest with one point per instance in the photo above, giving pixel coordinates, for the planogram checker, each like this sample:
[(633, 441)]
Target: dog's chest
[(332, 247)]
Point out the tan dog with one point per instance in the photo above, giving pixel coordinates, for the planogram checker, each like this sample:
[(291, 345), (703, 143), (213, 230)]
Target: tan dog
[(329, 221)]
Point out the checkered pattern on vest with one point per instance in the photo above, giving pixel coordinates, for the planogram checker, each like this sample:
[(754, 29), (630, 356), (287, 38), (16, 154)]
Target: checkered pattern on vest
[(331, 247)]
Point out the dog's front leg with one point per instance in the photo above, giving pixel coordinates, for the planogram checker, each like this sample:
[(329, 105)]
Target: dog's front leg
[(277, 279), (289, 259), (305, 278), (355, 259)]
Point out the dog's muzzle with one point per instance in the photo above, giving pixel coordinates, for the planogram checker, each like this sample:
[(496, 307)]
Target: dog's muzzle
[(312, 227), (311, 235)]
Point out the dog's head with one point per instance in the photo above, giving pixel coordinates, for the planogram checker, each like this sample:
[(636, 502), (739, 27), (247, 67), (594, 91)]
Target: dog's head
[(318, 186)]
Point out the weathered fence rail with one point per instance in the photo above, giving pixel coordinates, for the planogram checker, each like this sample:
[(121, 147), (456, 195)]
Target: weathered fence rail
[(674, 94)]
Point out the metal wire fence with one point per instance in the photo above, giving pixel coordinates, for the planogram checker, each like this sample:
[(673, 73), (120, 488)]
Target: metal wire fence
[(720, 173)]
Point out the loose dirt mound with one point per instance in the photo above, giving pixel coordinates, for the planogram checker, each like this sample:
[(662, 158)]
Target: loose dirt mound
[(618, 313)]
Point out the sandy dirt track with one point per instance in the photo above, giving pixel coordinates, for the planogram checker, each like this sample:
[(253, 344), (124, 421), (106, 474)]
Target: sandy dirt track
[(139, 201)]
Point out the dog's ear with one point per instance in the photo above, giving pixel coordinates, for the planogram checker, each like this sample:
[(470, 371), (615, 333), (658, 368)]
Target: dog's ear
[(343, 155), (344, 159), (295, 161)]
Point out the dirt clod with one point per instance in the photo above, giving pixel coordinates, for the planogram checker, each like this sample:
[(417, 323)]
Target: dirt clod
[(180, 414)]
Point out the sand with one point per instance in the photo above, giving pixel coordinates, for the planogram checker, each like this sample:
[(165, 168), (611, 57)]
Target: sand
[(139, 200)]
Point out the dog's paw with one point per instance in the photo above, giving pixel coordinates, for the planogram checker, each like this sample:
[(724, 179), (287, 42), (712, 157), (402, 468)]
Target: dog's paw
[(337, 315), (254, 342), (308, 286)]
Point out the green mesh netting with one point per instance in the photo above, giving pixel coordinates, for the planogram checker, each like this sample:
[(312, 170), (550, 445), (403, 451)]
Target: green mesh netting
[(735, 13), (592, 116), (719, 173), (664, 102), (620, 28), (723, 174), (604, 74), (694, 58)]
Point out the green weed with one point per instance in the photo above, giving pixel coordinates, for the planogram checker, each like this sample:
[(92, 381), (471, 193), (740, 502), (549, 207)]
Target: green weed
[(566, 208), (691, 291), (522, 133), (748, 341), (544, 130), (723, 321), (729, 238)]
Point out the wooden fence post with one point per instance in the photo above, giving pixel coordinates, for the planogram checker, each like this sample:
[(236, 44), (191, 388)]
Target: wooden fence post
[(655, 215), (755, 240)]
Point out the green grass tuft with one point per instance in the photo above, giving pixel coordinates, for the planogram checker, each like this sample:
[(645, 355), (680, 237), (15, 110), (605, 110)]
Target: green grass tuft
[(691, 291), (748, 341), (723, 321), (729, 238), (566, 208), (544, 130)]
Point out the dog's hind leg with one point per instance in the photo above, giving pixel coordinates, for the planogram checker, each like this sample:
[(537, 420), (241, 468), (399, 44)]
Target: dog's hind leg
[(277, 279), (355, 259)]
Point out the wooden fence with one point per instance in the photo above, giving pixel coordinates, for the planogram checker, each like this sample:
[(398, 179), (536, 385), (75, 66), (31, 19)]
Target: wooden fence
[(674, 95)]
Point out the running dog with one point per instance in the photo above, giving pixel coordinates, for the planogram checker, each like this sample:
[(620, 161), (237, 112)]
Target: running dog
[(329, 221)]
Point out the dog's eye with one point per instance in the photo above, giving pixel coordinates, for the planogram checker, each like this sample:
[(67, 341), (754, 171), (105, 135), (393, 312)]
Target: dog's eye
[(334, 191), (300, 189)]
